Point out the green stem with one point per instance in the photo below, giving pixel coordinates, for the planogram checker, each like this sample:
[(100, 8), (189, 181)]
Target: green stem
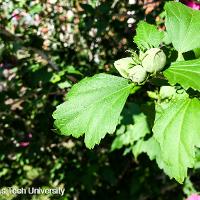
[(180, 57), (135, 88)]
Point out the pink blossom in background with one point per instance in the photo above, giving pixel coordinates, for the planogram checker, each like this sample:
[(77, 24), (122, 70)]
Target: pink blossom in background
[(194, 197), (25, 18), (192, 4), (24, 144), (30, 135), (16, 15)]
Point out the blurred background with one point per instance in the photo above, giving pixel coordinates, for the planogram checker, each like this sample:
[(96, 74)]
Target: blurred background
[(45, 48)]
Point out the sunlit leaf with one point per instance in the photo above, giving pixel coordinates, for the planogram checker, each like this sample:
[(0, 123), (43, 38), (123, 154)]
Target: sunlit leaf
[(186, 73), (183, 25), (93, 107)]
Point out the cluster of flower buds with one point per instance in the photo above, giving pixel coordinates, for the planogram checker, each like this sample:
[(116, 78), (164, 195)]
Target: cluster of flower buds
[(152, 61)]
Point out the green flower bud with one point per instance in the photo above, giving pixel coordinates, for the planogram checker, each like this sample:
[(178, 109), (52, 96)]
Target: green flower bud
[(154, 60), (167, 92), (137, 74), (123, 65)]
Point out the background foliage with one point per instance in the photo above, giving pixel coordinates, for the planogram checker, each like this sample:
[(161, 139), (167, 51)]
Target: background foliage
[(45, 48)]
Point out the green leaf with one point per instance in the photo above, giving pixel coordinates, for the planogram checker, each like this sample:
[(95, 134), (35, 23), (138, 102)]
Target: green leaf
[(65, 84), (147, 36), (132, 133), (182, 24), (93, 107), (186, 73), (36, 9), (153, 150), (151, 147), (119, 142), (166, 39), (177, 131), (139, 129), (71, 70), (138, 148), (197, 52)]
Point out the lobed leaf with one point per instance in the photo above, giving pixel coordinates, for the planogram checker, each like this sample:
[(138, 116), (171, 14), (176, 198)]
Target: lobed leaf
[(148, 36), (183, 25), (133, 132), (177, 131), (93, 107), (186, 73)]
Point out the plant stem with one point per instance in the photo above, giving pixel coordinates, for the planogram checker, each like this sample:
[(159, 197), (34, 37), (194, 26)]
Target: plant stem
[(180, 57)]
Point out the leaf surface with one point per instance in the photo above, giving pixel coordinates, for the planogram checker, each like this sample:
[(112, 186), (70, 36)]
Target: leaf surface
[(177, 131), (132, 132), (183, 26), (186, 73), (93, 107), (147, 36)]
